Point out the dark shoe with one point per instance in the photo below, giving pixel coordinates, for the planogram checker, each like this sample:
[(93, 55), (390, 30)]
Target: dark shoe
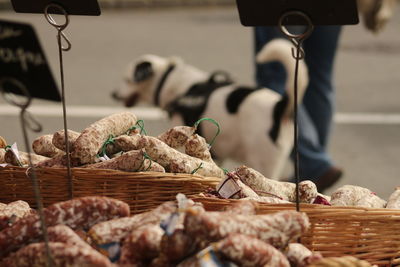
[(330, 177)]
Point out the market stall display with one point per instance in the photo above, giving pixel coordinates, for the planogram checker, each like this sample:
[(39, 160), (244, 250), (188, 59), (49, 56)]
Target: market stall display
[(113, 237)]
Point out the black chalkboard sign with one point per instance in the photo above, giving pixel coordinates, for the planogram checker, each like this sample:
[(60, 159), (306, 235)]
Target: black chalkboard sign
[(72, 7), (22, 59), (321, 12)]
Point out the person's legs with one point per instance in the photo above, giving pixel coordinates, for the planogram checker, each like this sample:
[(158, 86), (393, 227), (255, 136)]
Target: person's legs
[(318, 104), (315, 116)]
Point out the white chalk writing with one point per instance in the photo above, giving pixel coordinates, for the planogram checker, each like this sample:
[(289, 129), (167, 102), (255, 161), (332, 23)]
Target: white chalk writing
[(22, 57), (7, 32)]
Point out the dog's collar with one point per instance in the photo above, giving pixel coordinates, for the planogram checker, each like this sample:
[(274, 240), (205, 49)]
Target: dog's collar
[(161, 83)]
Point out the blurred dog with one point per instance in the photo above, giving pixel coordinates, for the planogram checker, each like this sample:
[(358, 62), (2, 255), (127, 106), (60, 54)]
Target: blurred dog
[(376, 13), (256, 123)]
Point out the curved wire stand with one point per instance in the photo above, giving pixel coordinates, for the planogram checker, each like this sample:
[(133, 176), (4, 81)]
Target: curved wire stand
[(28, 122), (61, 36), (298, 54)]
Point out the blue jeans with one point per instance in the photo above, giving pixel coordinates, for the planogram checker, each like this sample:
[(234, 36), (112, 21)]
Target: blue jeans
[(316, 111)]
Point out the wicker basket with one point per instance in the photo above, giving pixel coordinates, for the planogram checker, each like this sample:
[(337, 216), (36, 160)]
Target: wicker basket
[(368, 234), (142, 191)]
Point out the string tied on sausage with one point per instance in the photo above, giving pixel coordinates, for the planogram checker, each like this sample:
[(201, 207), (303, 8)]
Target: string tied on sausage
[(110, 140), (138, 125), (196, 125), (145, 156), (198, 168)]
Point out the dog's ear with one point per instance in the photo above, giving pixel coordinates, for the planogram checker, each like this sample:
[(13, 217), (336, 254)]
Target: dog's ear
[(143, 71)]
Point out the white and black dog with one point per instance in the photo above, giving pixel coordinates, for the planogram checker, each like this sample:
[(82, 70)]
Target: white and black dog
[(256, 123)]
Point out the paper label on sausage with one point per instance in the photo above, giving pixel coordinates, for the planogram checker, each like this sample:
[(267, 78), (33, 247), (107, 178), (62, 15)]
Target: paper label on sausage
[(104, 158), (15, 151), (208, 258), (169, 224), (228, 187), (110, 250)]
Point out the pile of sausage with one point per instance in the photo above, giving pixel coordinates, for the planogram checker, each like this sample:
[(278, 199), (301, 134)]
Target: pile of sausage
[(247, 183), (115, 143), (99, 231)]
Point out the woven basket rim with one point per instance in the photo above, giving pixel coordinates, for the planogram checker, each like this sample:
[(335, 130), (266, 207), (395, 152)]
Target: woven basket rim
[(116, 174), (306, 207)]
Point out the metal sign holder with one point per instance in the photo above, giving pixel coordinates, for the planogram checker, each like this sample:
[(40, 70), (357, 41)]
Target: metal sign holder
[(297, 12), (298, 54), (27, 121), (60, 35)]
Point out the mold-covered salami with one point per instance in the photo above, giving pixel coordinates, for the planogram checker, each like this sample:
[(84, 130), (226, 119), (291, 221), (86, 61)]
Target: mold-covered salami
[(394, 200), (174, 161), (270, 188), (3, 142), (12, 212), (117, 229), (63, 234), (177, 246), (59, 139), (11, 159), (57, 162), (62, 255), (43, 146), (243, 207), (79, 213), (351, 195), (307, 191), (299, 255), (176, 137), (143, 244), (264, 186), (196, 146), (277, 229), (248, 251), (2, 156), (127, 142), (132, 161), (88, 144)]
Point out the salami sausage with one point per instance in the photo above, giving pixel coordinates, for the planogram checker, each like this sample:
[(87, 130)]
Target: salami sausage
[(12, 212), (62, 254), (142, 245), (59, 139), (248, 251), (176, 137), (394, 200), (117, 229), (196, 146), (132, 161), (43, 146), (351, 195), (277, 229), (11, 159), (175, 161), (299, 255), (2, 156), (88, 144), (79, 213)]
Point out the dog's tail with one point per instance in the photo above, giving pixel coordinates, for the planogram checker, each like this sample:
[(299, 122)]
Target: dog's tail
[(280, 50)]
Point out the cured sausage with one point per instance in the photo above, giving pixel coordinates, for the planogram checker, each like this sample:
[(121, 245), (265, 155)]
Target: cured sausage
[(276, 229), (62, 255), (88, 144), (79, 213), (248, 251), (43, 146), (59, 139)]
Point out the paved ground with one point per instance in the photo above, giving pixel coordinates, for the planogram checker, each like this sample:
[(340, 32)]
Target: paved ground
[(364, 143)]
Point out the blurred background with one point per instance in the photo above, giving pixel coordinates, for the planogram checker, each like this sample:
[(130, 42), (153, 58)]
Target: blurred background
[(208, 34)]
